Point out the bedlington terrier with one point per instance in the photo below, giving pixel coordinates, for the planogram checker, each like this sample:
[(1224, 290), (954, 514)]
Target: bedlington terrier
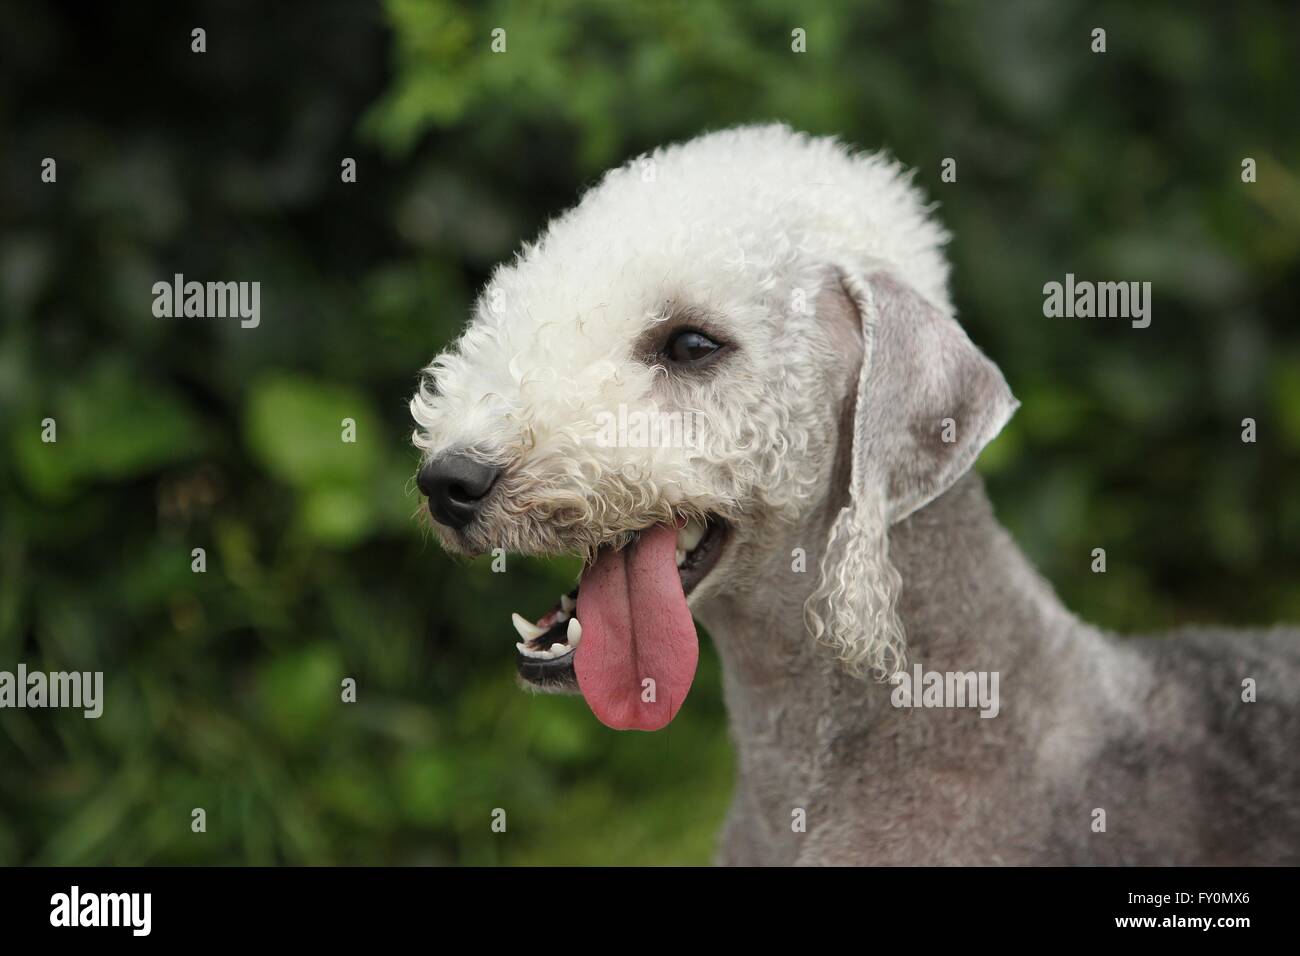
[(731, 379)]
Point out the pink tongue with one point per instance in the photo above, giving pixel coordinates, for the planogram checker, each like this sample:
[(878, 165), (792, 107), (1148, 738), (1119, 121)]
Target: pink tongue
[(638, 652)]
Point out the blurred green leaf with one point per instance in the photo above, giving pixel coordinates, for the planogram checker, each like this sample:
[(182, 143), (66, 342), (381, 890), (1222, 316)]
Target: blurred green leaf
[(295, 428), (109, 424)]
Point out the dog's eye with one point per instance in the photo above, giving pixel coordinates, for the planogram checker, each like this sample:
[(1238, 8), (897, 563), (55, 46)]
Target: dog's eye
[(689, 347)]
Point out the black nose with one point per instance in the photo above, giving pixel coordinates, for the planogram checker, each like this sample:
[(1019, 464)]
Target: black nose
[(456, 485)]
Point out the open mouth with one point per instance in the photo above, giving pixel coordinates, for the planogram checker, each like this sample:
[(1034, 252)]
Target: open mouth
[(624, 636)]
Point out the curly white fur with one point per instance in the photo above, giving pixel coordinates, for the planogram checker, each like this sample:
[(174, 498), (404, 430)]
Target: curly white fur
[(739, 227)]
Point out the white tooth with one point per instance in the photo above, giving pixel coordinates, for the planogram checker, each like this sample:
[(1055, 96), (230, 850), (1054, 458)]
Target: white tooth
[(575, 632), (691, 535), (560, 617), (527, 630), (567, 603), (558, 649), (523, 648), (681, 557)]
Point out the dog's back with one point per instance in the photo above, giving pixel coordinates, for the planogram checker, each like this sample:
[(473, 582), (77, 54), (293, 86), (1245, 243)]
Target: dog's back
[(1226, 706)]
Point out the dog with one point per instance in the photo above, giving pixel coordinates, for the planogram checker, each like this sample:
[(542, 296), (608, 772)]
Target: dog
[(788, 297)]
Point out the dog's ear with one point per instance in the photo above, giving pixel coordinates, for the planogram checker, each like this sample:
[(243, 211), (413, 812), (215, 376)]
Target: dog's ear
[(927, 402)]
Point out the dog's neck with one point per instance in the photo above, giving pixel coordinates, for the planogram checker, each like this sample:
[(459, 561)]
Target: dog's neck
[(969, 598), (957, 564)]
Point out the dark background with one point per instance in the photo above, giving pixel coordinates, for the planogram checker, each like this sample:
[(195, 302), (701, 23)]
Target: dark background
[(223, 688)]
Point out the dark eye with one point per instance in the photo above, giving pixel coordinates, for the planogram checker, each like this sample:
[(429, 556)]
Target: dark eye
[(689, 347)]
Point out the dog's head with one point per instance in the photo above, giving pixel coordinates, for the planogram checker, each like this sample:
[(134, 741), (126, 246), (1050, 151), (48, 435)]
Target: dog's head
[(665, 382)]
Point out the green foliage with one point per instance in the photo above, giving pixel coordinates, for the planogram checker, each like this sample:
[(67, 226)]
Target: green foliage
[(223, 688), (114, 427)]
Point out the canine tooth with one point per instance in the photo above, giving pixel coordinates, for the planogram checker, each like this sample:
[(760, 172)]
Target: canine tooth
[(527, 629), (567, 603), (558, 649), (681, 557), (691, 535), (575, 632)]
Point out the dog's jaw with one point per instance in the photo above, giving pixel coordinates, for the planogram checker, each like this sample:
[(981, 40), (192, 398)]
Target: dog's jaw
[(547, 650)]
